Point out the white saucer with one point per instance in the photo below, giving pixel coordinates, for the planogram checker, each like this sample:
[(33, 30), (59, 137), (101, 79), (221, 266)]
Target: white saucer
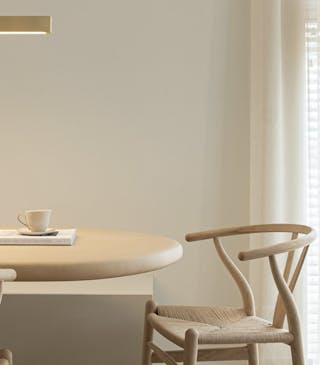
[(27, 232)]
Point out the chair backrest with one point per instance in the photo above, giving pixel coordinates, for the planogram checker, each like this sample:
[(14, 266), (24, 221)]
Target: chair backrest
[(301, 237)]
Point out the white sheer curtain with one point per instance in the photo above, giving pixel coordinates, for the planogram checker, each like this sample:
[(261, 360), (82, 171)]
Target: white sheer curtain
[(277, 132), (312, 36)]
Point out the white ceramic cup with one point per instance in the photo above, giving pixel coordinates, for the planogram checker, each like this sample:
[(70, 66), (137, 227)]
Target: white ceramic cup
[(35, 220)]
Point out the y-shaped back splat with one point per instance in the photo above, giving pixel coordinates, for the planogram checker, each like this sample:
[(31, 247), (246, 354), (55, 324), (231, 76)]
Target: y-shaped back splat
[(287, 297), (241, 281), (285, 301), (280, 310)]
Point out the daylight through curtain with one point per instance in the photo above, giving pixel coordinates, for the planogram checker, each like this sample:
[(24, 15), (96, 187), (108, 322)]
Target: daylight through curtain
[(277, 189)]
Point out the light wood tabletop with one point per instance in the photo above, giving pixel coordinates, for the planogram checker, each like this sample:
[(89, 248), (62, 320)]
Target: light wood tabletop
[(96, 254)]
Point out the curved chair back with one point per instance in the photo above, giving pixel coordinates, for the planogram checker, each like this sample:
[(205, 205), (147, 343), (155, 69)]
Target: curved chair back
[(301, 237)]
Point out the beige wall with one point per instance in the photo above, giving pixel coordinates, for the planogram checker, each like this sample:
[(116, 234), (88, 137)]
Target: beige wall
[(132, 115)]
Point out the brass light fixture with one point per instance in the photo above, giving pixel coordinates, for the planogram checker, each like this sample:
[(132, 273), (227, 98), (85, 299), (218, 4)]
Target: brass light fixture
[(25, 24)]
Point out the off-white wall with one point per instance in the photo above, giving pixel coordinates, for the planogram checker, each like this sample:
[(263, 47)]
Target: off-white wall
[(132, 115)]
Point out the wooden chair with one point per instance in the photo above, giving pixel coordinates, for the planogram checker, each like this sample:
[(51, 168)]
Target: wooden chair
[(6, 275), (191, 327)]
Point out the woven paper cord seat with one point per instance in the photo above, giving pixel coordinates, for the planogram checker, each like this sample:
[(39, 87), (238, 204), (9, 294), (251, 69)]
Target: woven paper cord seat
[(237, 328), (189, 327)]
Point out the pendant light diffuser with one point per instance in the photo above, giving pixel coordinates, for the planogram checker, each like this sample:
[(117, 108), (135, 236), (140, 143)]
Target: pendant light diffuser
[(25, 24)]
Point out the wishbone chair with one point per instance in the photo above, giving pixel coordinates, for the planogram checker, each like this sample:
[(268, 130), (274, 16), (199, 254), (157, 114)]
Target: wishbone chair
[(191, 327)]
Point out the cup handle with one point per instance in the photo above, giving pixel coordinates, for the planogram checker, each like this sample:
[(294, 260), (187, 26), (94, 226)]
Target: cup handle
[(20, 217)]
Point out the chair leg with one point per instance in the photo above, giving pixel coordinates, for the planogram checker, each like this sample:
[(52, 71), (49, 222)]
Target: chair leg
[(151, 307), (297, 352), (191, 347), (253, 358)]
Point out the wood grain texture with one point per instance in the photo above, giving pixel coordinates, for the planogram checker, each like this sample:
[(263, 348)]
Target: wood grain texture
[(216, 354), (253, 355), (291, 311), (280, 311), (162, 355), (234, 231), (96, 254), (150, 307), (276, 249), (309, 236), (191, 347), (241, 281), (188, 326)]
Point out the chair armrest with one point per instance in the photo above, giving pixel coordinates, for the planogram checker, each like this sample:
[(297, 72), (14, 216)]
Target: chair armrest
[(204, 235), (278, 248), (309, 235)]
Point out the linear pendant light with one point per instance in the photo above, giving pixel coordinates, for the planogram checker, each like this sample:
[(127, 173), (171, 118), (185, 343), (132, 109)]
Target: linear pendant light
[(25, 24)]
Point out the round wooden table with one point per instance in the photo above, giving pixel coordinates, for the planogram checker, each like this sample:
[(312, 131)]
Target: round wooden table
[(96, 254)]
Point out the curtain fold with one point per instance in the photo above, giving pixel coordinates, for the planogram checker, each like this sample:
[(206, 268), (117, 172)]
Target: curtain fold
[(277, 133), (312, 288)]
